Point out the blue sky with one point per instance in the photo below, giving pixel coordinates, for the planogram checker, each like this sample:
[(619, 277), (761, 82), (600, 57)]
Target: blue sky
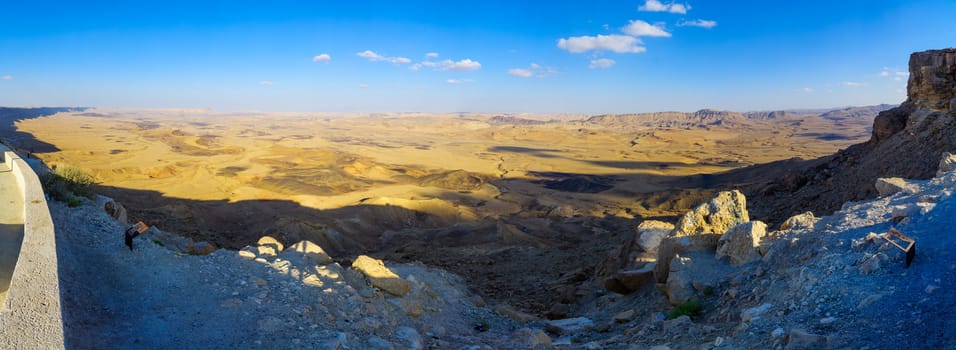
[(479, 56)]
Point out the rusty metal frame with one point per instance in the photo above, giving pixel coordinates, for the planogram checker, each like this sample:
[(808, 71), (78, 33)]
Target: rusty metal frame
[(910, 248)]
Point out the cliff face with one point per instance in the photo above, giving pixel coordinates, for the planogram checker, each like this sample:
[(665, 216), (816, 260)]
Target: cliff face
[(907, 141)]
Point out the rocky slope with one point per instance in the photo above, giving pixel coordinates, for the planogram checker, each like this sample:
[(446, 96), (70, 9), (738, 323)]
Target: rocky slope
[(907, 141), (830, 282)]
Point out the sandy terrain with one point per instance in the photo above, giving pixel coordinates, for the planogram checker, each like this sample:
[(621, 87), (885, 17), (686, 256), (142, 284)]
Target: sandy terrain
[(459, 191)]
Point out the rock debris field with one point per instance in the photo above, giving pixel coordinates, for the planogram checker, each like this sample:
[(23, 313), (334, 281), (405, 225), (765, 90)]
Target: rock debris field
[(830, 282)]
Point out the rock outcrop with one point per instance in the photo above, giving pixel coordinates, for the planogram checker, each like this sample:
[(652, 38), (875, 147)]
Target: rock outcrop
[(740, 243), (380, 276), (632, 266), (701, 228)]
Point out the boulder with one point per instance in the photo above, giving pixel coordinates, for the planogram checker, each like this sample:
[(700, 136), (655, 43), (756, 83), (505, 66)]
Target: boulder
[(650, 233), (307, 251), (380, 276), (803, 221), (200, 248), (708, 221), (679, 286), (800, 339), (890, 185), (627, 269), (628, 281), (740, 243), (947, 164), (701, 228), (248, 252), (116, 211), (624, 316), (751, 314), (569, 325), (270, 242), (532, 339)]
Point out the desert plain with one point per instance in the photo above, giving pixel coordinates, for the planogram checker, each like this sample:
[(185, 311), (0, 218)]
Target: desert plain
[(515, 202)]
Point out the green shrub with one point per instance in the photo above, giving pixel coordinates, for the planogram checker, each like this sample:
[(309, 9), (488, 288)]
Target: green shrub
[(687, 308), (65, 183)]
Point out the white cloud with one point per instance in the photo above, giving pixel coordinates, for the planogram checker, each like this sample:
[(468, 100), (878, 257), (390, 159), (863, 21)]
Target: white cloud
[(535, 66), (703, 23), (322, 58), (465, 64), (431, 55), (520, 73), (601, 63), (462, 65), (884, 74), (7, 77), (547, 73), (613, 42), (606, 26), (458, 81), (657, 6), (374, 57), (363, 86), (807, 89), (902, 74), (853, 84), (641, 28), (265, 83)]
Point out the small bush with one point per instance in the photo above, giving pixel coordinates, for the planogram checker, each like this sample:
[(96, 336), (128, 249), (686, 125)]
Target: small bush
[(65, 183), (687, 308)]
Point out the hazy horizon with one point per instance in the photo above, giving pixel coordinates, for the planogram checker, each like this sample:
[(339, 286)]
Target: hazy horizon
[(488, 57)]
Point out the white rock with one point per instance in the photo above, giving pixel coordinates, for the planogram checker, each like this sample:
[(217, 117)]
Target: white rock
[(569, 325), (651, 232), (799, 222), (411, 337), (891, 185), (947, 164), (740, 242), (753, 313)]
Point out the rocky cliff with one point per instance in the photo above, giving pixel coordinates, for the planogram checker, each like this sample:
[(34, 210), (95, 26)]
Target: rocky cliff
[(907, 141)]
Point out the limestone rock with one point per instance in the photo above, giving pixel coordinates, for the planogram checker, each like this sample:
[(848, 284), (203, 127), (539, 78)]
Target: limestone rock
[(116, 211), (799, 222), (800, 339), (624, 316), (740, 243), (650, 233), (932, 82), (412, 339), (947, 164), (627, 281), (308, 251), (270, 242), (679, 287), (200, 248), (701, 228), (751, 314), (891, 185), (380, 276), (726, 210), (870, 265), (248, 252), (569, 325), (632, 266), (533, 339)]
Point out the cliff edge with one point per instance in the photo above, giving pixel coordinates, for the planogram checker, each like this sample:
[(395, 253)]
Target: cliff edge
[(907, 141)]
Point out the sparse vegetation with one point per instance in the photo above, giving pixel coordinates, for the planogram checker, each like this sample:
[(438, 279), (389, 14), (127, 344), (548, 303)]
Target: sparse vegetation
[(67, 184), (687, 308)]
